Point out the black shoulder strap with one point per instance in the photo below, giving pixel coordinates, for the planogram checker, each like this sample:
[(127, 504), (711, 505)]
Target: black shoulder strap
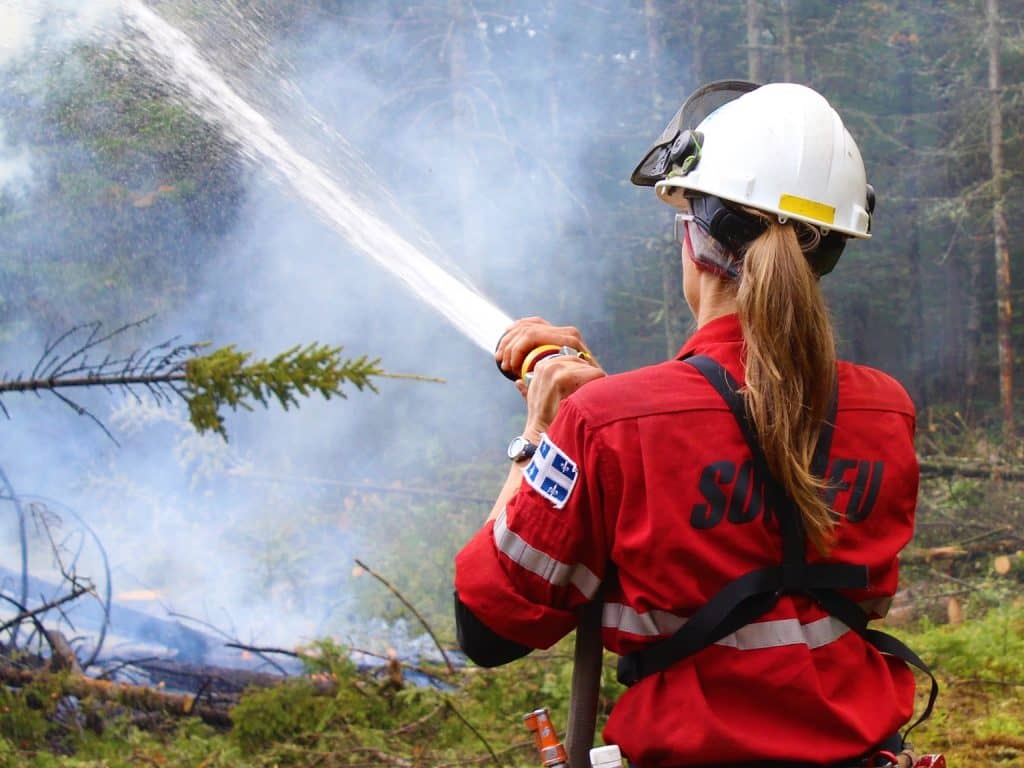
[(794, 539), (753, 594)]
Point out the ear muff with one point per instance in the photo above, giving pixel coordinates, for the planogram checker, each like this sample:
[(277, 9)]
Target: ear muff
[(735, 230), (731, 228), (824, 258), (870, 197)]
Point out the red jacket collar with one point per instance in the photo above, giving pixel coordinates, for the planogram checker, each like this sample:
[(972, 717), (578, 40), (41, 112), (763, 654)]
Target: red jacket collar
[(721, 330)]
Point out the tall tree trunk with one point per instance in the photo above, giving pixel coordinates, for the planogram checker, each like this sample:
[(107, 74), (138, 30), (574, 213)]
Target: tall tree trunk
[(674, 310), (754, 40), (951, 344), (1000, 236), (787, 42), (972, 335), (915, 340)]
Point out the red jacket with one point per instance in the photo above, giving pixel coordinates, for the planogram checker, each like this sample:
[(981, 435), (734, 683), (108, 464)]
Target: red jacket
[(643, 497)]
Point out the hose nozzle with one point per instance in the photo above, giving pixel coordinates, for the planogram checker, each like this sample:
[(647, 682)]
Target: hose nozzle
[(535, 356)]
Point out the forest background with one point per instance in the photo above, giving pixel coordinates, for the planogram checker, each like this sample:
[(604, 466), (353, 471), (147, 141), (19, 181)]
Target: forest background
[(505, 133)]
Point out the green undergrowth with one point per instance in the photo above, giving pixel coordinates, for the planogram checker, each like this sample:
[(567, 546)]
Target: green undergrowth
[(340, 716), (979, 717)]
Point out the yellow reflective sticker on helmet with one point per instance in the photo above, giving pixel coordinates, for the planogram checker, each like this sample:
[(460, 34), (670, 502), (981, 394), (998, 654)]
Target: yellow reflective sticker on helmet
[(801, 206)]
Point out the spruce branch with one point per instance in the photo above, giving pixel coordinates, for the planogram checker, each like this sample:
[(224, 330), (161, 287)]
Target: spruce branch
[(226, 377), (205, 381)]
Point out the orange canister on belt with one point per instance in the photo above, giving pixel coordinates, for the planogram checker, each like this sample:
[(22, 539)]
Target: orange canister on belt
[(552, 752)]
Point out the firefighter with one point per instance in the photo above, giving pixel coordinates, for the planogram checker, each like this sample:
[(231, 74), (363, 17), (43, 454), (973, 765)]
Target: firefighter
[(739, 509)]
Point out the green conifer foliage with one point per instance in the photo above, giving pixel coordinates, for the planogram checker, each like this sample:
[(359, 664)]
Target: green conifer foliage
[(229, 377)]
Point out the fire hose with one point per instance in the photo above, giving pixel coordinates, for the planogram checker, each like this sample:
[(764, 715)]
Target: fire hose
[(586, 685)]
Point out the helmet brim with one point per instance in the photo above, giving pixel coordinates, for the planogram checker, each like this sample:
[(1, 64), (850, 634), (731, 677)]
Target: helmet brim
[(666, 191)]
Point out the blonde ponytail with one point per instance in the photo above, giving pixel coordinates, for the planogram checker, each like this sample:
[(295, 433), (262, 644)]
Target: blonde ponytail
[(790, 364)]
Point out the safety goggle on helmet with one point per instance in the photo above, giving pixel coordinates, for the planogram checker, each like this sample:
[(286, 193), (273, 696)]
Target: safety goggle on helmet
[(679, 144), (778, 148)]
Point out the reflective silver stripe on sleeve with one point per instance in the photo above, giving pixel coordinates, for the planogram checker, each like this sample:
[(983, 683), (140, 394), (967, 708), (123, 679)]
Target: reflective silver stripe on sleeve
[(548, 568), (757, 636)]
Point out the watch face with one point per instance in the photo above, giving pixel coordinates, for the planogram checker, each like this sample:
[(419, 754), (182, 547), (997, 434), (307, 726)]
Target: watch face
[(520, 448), (515, 447)]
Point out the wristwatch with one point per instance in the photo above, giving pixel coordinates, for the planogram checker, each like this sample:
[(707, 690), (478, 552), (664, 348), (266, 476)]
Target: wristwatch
[(520, 449)]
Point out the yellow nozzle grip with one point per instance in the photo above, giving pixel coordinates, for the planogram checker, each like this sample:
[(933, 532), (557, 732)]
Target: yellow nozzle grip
[(536, 355), (549, 350)]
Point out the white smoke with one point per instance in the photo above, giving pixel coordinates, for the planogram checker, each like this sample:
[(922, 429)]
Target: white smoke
[(30, 26), (17, 22), (15, 165), (268, 534), (16, 25)]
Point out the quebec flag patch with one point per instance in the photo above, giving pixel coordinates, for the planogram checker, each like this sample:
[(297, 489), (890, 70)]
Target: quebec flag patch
[(551, 473)]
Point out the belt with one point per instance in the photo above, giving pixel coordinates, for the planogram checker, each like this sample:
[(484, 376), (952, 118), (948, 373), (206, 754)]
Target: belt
[(893, 744)]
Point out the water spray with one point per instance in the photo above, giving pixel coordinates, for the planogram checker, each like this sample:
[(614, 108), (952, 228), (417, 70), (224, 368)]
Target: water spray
[(173, 57)]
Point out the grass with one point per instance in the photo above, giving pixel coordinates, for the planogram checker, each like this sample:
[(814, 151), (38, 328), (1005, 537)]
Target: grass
[(979, 718)]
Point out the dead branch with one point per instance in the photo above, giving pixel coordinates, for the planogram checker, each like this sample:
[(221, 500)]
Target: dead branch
[(932, 554), (63, 658), (961, 582), (950, 466), (137, 697), (218, 680), (34, 619), (986, 681), (109, 673), (522, 746), (382, 757), (407, 604), (92, 380), (368, 488), (1001, 530), (419, 721), (454, 710), (227, 637), (74, 594), (47, 519), (260, 650), (405, 664)]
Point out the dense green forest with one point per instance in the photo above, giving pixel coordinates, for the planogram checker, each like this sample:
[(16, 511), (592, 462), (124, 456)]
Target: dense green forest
[(499, 137), (556, 102)]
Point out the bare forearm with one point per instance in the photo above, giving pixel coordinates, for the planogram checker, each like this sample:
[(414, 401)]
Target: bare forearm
[(508, 490), (554, 379)]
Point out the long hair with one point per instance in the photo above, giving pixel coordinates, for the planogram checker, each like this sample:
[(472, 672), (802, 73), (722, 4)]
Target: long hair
[(790, 364)]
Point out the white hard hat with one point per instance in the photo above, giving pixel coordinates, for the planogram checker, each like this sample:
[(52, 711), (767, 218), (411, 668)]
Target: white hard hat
[(779, 148)]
